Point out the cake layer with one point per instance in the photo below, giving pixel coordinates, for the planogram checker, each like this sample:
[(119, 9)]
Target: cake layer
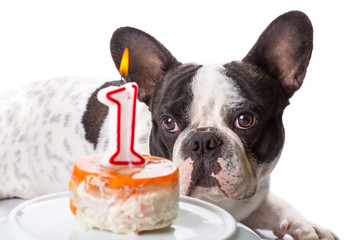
[(140, 212)]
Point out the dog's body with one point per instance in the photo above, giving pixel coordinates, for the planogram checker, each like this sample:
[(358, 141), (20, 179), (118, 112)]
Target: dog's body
[(221, 124)]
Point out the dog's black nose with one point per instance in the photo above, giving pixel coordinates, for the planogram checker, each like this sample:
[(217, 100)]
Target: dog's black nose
[(204, 142)]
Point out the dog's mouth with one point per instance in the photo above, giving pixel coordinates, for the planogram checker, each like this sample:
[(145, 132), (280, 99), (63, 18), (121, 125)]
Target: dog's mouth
[(203, 172), (209, 187), (198, 182), (205, 181)]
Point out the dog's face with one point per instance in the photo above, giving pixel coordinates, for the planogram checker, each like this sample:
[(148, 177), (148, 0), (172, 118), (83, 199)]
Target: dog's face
[(221, 124), (222, 137)]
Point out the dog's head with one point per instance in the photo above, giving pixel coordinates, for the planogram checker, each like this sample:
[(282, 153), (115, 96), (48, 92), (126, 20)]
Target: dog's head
[(221, 124)]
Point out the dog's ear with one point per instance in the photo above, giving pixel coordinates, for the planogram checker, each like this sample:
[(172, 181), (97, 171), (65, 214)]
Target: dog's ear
[(149, 60), (284, 50)]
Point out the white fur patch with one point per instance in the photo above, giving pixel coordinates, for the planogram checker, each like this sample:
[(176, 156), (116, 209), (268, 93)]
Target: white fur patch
[(41, 135), (213, 91)]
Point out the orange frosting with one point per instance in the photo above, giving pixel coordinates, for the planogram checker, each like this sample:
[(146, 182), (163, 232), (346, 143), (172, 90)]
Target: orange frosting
[(155, 172)]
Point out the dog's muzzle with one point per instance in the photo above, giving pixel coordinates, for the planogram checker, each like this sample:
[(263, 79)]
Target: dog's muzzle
[(212, 163), (204, 147)]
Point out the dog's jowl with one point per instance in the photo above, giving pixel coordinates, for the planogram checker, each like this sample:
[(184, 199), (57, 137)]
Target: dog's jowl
[(221, 124)]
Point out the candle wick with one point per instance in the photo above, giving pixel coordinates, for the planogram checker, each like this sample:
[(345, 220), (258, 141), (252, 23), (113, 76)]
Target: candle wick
[(122, 81)]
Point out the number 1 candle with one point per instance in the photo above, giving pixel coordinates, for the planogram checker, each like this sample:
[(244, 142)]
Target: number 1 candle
[(122, 110)]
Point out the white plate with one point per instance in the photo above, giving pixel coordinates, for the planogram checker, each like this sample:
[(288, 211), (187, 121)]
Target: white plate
[(49, 217)]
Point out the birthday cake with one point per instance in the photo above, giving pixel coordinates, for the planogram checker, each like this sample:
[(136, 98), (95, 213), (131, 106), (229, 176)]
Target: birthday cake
[(120, 190), (130, 200)]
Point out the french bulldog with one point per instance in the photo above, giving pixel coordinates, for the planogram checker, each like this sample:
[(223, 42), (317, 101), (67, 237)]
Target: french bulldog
[(221, 124)]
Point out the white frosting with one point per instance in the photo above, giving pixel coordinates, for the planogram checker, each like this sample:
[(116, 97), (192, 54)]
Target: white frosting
[(145, 211)]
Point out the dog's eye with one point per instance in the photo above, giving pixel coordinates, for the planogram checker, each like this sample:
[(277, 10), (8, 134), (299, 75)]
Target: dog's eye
[(245, 121), (169, 125)]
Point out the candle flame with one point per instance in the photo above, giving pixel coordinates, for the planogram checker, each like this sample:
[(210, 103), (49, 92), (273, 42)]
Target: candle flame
[(124, 64)]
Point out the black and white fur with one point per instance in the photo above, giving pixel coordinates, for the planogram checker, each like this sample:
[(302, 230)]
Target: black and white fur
[(221, 124)]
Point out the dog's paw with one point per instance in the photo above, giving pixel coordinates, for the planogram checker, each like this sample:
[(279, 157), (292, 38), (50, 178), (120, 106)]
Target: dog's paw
[(303, 230)]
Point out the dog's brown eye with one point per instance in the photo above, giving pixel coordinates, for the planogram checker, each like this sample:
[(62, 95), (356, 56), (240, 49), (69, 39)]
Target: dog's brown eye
[(245, 121), (169, 125)]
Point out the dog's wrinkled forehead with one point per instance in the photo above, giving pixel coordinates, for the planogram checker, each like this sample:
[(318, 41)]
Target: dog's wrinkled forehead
[(213, 93)]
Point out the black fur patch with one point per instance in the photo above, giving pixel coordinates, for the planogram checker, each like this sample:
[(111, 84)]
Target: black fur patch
[(172, 97), (266, 100)]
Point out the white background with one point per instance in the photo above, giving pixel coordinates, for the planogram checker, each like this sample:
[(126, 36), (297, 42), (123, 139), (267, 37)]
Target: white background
[(319, 169)]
